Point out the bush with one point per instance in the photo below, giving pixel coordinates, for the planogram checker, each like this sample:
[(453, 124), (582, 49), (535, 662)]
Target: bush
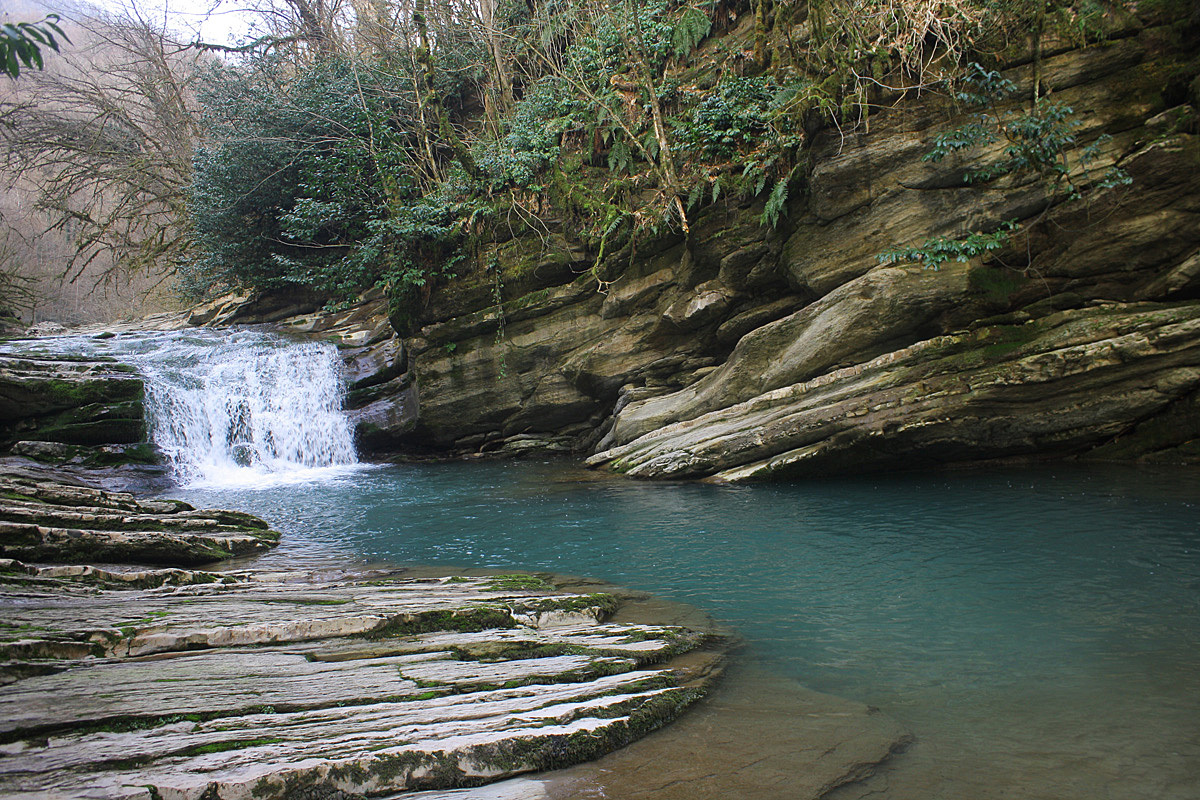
[(309, 178), (737, 113)]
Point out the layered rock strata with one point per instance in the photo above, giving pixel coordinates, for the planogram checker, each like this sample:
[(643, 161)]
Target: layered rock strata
[(799, 352), (1115, 381), (56, 522), (167, 683), (70, 401), (85, 416)]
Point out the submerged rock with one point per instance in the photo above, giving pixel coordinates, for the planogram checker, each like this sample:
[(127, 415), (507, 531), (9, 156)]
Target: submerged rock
[(274, 685)]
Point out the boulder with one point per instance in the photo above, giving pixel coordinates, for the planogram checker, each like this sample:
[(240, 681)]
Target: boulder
[(857, 321)]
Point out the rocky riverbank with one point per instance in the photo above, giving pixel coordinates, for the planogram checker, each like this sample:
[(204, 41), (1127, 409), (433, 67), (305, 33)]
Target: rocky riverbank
[(47, 521), (122, 681), (260, 685), (64, 414), (742, 352)]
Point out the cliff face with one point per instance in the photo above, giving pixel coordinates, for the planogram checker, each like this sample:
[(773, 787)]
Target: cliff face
[(750, 352)]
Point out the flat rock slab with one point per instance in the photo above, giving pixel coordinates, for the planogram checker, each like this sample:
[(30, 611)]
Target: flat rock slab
[(761, 737), (50, 521), (178, 684)]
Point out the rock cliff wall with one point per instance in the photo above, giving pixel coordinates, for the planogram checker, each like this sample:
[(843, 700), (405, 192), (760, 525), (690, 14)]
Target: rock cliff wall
[(748, 352)]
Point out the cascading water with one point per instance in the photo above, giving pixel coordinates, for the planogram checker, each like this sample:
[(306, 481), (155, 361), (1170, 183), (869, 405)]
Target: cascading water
[(235, 407)]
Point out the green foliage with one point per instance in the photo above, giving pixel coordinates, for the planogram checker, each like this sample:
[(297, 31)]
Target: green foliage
[(776, 204), (533, 134), (935, 252), (983, 87), (691, 28), (1038, 142), (309, 180), (21, 43), (738, 112), (608, 118)]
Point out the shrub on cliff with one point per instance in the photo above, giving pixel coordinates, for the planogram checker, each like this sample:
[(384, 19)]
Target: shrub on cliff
[(310, 177), (368, 157)]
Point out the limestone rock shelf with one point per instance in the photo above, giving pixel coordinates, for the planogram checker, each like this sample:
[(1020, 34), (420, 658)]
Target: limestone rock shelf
[(50, 521), (187, 684), (1115, 381), (68, 400)]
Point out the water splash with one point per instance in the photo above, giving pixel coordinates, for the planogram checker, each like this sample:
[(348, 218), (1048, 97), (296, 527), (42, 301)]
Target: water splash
[(237, 408)]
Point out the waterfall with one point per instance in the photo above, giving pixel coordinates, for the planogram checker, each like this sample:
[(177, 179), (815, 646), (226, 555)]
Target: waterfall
[(238, 408), (241, 406)]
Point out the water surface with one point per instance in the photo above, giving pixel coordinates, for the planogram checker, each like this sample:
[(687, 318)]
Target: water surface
[(1036, 629)]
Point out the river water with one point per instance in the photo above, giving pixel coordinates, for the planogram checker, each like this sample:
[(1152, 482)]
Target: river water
[(1036, 629)]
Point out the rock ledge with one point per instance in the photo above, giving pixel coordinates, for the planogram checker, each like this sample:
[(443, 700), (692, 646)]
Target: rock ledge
[(188, 685)]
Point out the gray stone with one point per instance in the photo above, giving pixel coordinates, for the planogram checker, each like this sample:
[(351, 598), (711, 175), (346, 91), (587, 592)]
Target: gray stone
[(43, 521), (267, 685), (1068, 382)]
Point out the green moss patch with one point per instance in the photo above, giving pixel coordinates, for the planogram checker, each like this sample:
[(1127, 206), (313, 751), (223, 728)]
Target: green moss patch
[(468, 620), (505, 583)]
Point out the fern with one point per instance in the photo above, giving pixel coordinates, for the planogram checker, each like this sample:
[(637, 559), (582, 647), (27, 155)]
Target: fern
[(776, 206), (935, 252), (650, 144), (691, 29), (620, 157)]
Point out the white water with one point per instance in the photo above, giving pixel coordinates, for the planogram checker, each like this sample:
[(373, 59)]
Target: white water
[(236, 408)]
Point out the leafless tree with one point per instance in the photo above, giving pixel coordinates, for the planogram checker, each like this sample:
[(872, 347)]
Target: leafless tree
[(108, 137)]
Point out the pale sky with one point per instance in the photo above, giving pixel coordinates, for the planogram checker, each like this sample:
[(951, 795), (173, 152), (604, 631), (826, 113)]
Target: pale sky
[(216, 21)]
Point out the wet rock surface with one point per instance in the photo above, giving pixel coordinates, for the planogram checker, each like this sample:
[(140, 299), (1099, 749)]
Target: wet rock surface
[(173, 683)]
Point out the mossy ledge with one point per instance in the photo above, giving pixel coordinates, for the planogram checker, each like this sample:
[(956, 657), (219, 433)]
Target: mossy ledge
[(44, 521)]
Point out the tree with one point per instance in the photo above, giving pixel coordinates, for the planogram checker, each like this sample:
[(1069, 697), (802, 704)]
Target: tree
[(108, 137), (314, 177)]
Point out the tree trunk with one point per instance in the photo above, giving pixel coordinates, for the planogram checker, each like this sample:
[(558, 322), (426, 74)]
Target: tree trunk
[(666, 159), (762, 31), (434, 103)]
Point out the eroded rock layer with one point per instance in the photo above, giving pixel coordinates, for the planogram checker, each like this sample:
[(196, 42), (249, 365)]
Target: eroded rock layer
[(259, 685), (57, 522), (69, 401)]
